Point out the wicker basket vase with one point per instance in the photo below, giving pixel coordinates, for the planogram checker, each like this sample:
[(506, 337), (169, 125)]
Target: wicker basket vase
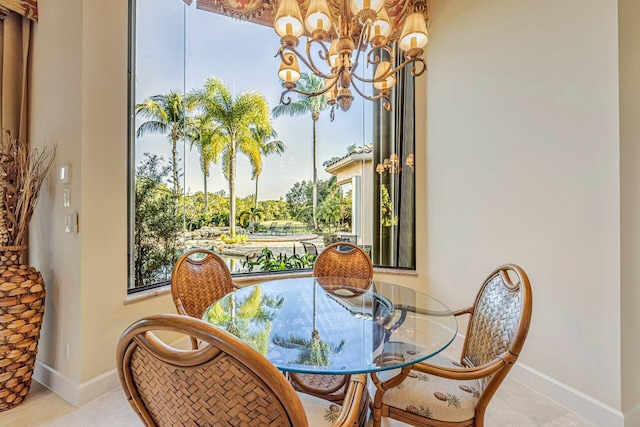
[(21, 311)]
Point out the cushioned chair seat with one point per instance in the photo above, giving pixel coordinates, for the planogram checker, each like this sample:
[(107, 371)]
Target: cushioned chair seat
[(320, 412), (433, 397)]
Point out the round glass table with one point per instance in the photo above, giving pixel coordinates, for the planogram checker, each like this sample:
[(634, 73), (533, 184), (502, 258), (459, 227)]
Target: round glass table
[(335, 325)]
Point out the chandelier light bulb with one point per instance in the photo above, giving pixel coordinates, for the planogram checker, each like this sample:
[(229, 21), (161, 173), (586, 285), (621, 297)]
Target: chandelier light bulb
[(359, 5), (318, 17), (414, 33), (288, 21), (382, 25), (381, 80), (289, 73), (333, 53), (331, 94)]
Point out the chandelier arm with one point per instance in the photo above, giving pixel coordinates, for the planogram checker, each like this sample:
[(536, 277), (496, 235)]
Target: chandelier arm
[(386, 100), (307, 63), (309, 94), (364, 39), (378, 57), (414, 71), (282, 101), (386, 104), (323, 54)]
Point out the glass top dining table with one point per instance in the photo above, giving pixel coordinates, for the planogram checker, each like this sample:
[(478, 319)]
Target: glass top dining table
[(335, 325)]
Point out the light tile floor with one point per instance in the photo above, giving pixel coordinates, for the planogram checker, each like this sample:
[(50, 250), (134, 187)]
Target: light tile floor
[(514, 405)]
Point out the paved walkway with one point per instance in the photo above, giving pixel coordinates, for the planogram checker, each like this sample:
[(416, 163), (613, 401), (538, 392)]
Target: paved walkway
[(282, 237)]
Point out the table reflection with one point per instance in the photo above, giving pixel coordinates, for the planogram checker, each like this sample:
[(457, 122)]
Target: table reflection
[(330, 326)]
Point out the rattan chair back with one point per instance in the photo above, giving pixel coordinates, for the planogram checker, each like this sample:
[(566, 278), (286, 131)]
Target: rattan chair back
[(198, 282), (498, 326), (343, 259), (224, 383), (500, 319)]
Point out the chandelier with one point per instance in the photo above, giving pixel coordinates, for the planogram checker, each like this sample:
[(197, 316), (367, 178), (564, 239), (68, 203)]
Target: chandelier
[(362, 33)]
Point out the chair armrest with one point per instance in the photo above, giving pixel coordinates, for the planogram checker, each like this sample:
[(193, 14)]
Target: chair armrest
[(464, 374), (235, 285), (463, 311), (352, 399)]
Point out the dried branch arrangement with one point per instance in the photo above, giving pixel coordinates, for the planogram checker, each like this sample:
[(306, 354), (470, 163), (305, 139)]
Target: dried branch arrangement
[(22, 171)]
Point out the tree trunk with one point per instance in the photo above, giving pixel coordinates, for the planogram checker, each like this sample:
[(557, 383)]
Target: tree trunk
[(176, 189), (232, 189), (174, 159), (206, 195), (256, 202), (315, 177)]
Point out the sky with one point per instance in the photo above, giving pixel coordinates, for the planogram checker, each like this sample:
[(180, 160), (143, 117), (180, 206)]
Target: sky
[(178, 46)]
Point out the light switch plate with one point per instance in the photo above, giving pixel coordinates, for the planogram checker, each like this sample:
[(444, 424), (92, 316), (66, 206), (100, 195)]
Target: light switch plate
[(71, 223), (66, 197), (65, 174)]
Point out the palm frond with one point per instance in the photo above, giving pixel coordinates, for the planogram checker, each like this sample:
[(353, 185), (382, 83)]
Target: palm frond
[(151, 127)]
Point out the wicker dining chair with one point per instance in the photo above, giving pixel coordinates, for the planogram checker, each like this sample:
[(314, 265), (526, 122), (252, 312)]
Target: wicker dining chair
[(344, 260), (198, 283), (447, 393), (224, 383), (344, 264)]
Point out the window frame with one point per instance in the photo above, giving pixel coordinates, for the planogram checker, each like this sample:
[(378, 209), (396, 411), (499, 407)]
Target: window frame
[(131, 181)]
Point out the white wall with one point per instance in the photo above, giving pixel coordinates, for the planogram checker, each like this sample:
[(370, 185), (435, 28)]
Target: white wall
[(56, 117), (522, 166), (520, 139), (79, 102)]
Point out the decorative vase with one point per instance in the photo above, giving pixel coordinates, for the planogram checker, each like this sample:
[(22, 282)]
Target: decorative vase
[(21, 310)]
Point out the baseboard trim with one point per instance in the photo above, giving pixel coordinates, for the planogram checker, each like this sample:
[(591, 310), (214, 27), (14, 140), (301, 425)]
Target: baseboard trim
[(572, 399), (56, 382), (98, 386), (576, 401), (74, 393), (632, 416)]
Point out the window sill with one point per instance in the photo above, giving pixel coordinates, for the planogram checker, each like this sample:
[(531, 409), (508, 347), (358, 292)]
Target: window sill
[(242, 281), (145, 295), (395, 271), (249, 280)]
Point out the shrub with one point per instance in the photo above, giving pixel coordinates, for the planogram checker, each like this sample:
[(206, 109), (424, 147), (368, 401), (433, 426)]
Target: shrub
[(239, 238), (267, 261), (330, 238)]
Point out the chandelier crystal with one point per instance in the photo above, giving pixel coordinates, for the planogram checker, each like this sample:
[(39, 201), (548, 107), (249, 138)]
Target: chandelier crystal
[(359, 34)]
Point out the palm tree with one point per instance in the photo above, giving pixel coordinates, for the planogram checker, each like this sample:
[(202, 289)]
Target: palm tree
[(202, 133), (234, 116), (306, 105), (312, 351), (268, 145), (165, 114), (249, 216), (238, 316)]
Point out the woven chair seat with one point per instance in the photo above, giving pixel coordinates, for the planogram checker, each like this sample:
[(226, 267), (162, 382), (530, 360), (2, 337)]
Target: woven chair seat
[(433, 397), (329, 387)]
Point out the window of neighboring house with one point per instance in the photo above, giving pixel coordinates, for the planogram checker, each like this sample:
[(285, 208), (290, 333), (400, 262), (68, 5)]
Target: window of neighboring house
[(186, 181)]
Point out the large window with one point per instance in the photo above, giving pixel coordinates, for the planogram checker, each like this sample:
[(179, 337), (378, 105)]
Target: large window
[(212, 147)]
